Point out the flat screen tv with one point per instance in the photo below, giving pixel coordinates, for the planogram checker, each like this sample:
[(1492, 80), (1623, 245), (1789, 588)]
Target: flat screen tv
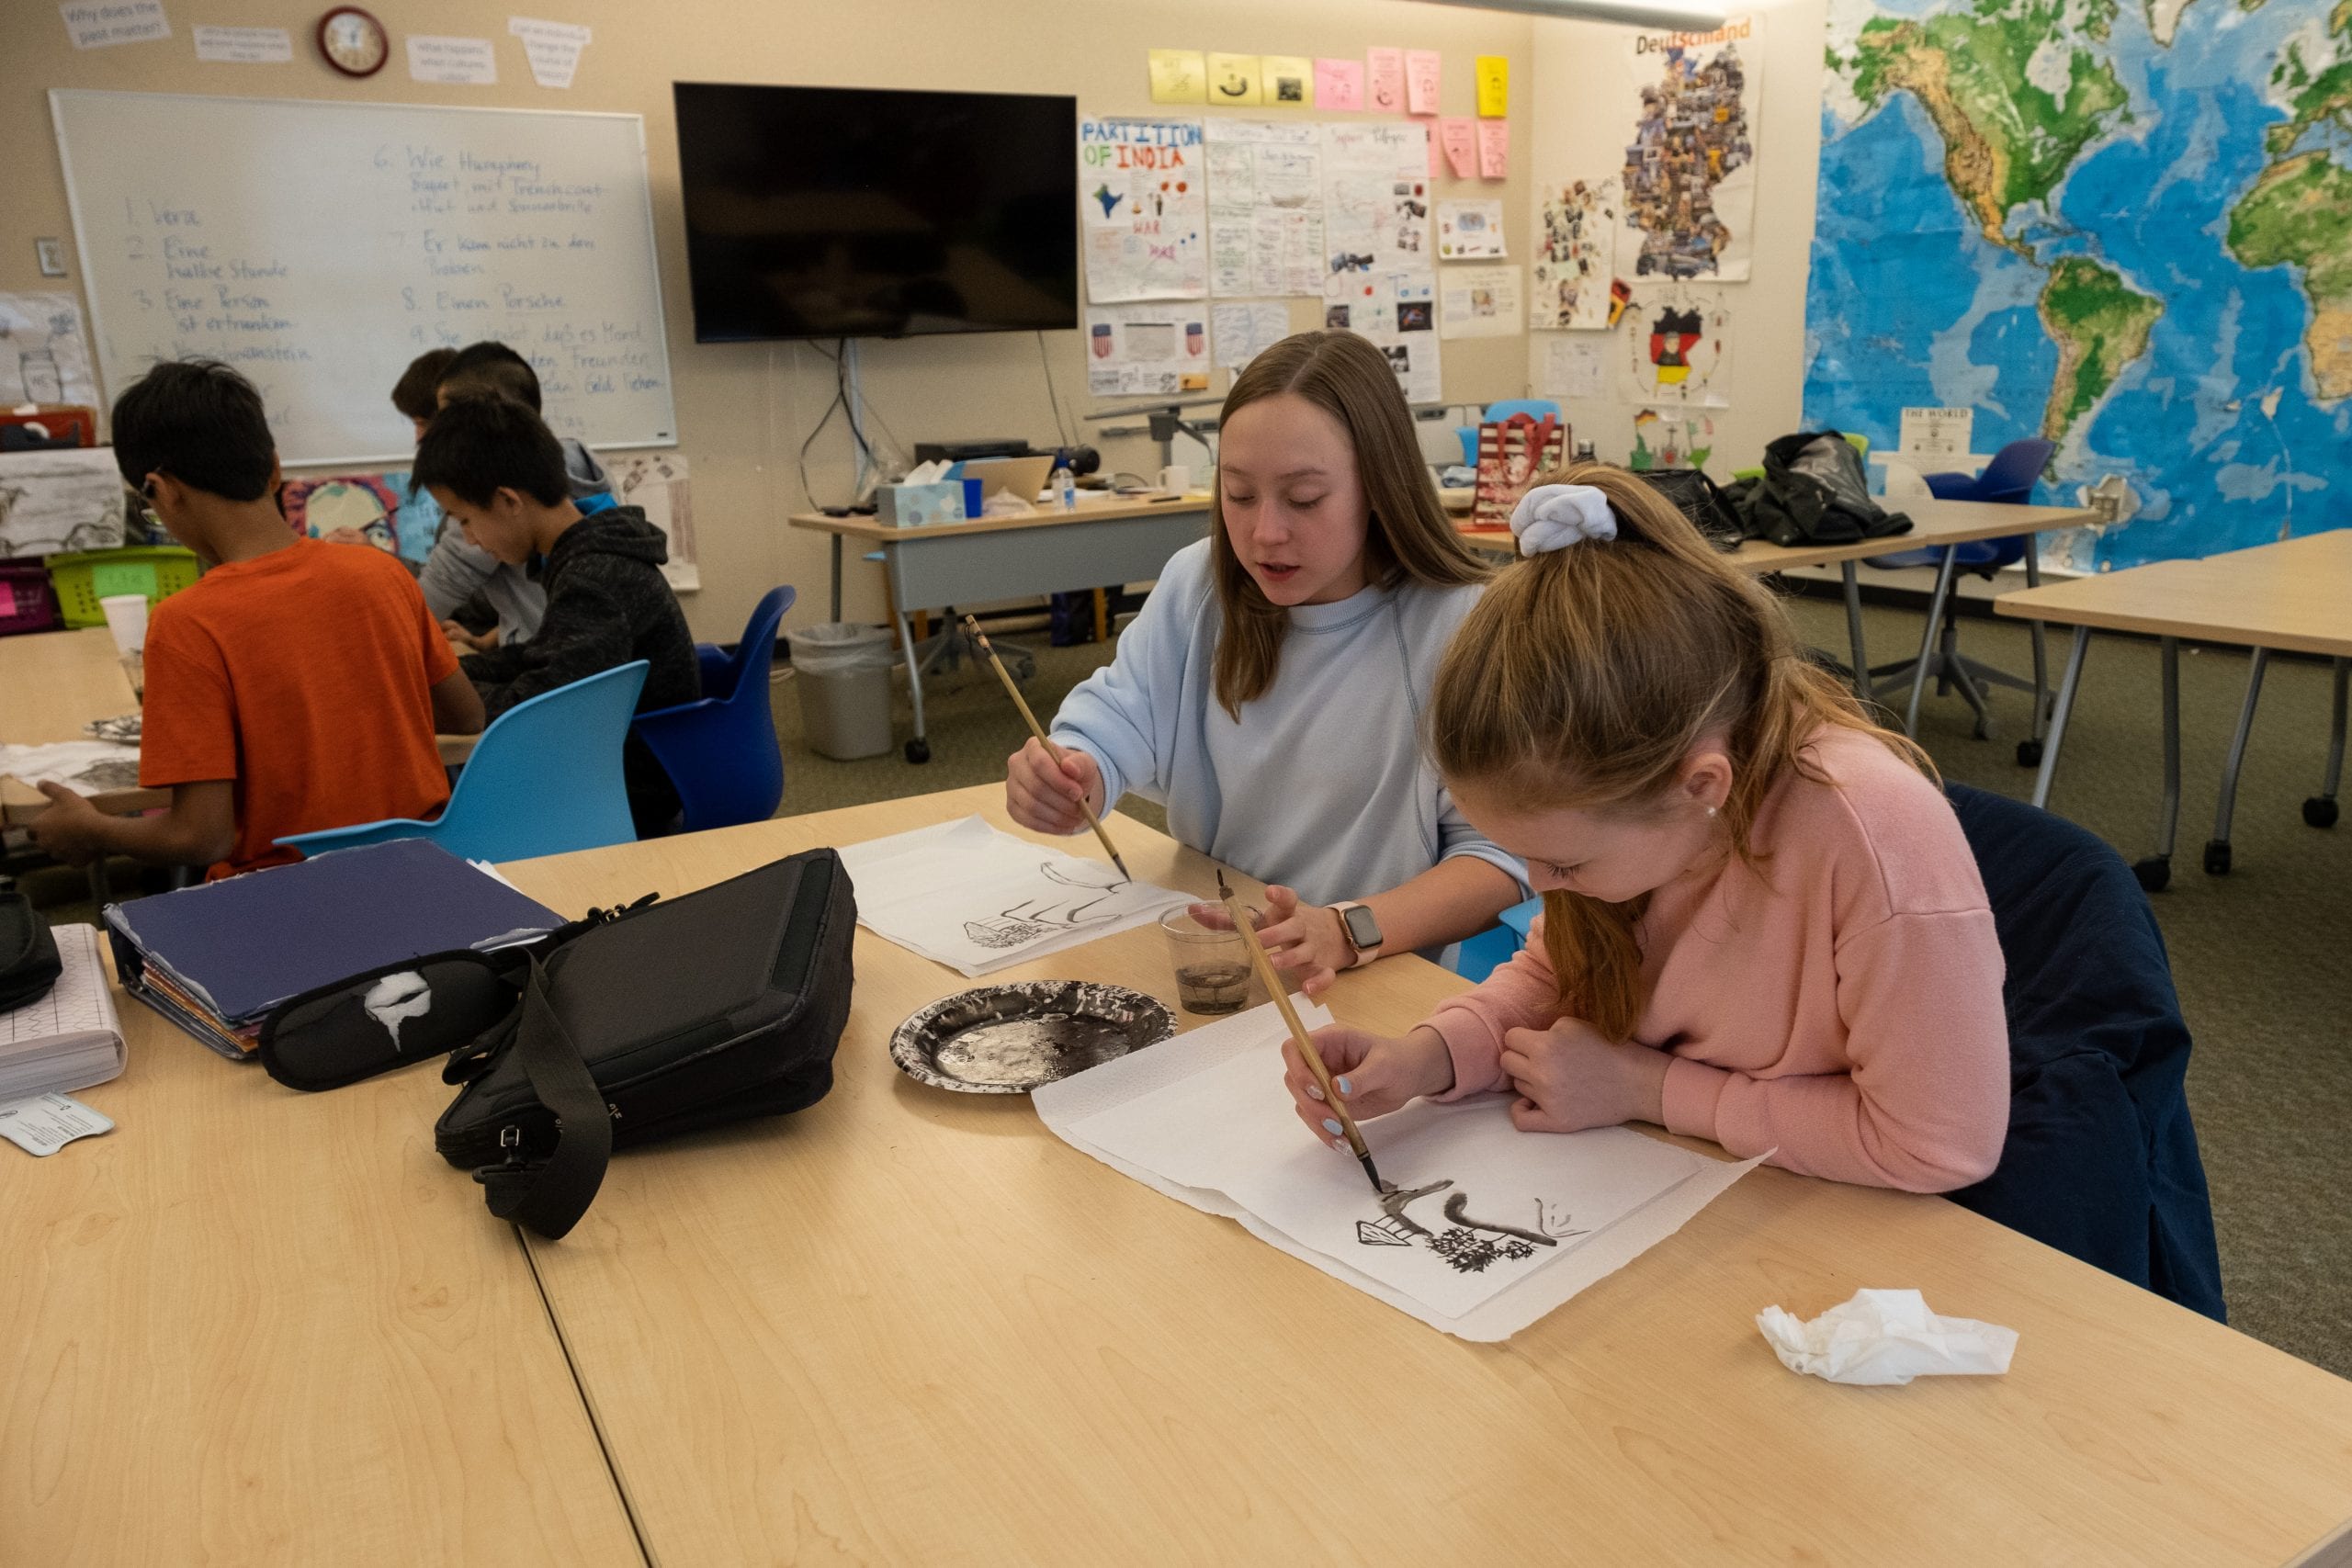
[(830, 212)]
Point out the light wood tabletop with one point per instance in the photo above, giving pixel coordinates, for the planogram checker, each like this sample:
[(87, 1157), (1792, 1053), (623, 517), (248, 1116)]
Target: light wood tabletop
[(909, 1325), (52, 684), (1934, 523), (874, 532), (2294, 596), (256, 1326)]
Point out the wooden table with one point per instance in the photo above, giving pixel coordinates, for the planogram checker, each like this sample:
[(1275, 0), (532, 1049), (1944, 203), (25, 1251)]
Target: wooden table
[(913, 1327), (2292, 596), (52, 684), (1935, 524), (255, 1326), (1010, 557)]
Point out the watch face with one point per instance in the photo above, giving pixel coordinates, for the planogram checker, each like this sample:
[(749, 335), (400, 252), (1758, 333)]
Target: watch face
[(1363, 927)]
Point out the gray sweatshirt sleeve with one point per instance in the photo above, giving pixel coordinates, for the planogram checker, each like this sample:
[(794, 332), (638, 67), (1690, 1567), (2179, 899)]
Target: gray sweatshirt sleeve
[(453, 573), (1123, 715)]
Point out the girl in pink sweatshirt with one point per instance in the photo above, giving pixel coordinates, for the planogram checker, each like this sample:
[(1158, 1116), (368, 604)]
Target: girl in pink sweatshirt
[(1761, 924)]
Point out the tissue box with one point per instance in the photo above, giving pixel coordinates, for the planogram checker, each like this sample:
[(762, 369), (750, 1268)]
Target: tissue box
[(912, 506)]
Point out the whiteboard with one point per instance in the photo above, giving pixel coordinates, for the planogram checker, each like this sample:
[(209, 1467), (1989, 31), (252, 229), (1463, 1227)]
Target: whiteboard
[(318, 247)]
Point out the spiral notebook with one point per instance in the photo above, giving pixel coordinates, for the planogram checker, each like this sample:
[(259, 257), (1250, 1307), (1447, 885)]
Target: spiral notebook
[(71, 1038)]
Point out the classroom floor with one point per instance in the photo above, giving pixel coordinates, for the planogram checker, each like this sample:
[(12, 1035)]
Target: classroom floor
[(2259, 956)]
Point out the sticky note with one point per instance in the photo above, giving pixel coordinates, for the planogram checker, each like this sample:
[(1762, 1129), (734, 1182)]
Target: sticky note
[(1338, 83), (1233, 79), (1385, 80), (1494, 149), (1288, 80), (1422, 69), (1461, 139), (1494, 86), (1179, 76)]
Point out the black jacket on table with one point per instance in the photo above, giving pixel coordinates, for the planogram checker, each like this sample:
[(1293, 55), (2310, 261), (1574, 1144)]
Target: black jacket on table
[(607, 603)]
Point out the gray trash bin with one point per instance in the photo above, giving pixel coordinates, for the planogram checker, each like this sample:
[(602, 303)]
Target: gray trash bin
[(843, 673)]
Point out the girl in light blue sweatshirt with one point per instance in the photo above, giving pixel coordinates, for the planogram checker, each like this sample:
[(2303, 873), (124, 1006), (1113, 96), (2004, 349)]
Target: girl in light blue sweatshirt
[(1271, 693)]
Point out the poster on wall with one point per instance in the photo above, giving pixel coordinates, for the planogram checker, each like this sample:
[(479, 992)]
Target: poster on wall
[(657, 482), (1479, 302), (1241, 332), (1575, 252), (1376, 195), (377, 507), (1265, 197), (1398, 310), (44, 358), (1147, 350), (1678, 353), (1142, 191), (1672, 438), (1470, 230), (1689, 191)]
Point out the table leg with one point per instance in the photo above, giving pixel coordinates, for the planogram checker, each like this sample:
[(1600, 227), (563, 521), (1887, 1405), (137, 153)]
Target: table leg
[(1859, 655), (1927, 641), (2319, 809), (2217, 850), (917, 749), (2157, 870), (2059, 712), (1102, 615), (2041, 652), (837, 577)]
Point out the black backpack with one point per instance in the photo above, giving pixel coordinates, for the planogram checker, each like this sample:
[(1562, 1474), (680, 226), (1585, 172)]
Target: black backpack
[(1814, 492), (631, 1026), (1697, 497)]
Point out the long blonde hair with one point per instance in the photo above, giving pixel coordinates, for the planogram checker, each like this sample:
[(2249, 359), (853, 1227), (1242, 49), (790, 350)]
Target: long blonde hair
[(1585, 675), (1408, 538)]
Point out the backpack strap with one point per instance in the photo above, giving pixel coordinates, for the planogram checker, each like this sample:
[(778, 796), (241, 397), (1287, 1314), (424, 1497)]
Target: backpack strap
[(549, 1196)]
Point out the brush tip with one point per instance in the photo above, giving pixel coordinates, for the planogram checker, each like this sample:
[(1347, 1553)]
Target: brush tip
[(1373, 1171)]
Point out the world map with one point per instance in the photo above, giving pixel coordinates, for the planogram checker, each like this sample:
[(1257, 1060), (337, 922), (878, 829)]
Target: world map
[(2124, 228)]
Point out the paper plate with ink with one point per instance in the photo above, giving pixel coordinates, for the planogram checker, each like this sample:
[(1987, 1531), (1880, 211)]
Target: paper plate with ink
[(1010, 1039)]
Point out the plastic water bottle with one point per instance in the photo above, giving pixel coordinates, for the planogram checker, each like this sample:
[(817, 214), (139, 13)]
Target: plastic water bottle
[(1065, 486)]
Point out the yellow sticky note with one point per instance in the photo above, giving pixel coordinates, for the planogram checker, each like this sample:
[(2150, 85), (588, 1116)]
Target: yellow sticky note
[(1179, 76), (1494, 86), (1233, 79), (1288, 80)]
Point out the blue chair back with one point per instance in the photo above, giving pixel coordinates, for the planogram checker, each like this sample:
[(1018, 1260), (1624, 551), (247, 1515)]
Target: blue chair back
[(1477, 957), (1535, 408), (2101, 1160), (2008, 479), (545, 780), (721, 752)]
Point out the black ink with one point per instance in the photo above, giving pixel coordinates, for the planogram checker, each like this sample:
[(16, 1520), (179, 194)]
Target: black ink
[(1459, 1201)]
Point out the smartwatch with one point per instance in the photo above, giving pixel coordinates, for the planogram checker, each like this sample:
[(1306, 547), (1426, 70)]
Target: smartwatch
[(1363, 928)]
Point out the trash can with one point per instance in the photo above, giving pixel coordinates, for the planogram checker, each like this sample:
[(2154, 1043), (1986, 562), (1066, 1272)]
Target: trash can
[(843, 673)]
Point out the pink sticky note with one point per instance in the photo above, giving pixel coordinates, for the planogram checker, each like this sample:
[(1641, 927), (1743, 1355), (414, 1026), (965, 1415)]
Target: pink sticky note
[(1422, 68), (1461, 139), (1385, 80), (1494, 149), (1338, 83)]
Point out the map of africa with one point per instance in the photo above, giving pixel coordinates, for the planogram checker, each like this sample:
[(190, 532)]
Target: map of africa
[(2127, 229)]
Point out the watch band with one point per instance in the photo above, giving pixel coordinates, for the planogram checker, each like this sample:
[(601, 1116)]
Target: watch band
[(1363, 955)]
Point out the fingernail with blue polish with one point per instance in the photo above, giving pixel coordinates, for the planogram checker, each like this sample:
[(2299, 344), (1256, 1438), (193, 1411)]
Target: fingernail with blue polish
[(1330, 1126), (1346, 1088), (1313, 1091)]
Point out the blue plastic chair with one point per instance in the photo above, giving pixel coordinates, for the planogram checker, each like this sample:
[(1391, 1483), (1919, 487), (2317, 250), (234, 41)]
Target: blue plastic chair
[(544, 780), (1535, 407), (2008, 479), (721, 752), (1481, 955)]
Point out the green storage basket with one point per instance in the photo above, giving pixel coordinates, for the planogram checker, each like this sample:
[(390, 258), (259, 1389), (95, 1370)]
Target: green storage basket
[(84, 577)]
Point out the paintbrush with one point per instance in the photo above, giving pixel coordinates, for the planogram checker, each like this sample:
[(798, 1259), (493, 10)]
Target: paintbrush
[(972, 628), (1274, 984)]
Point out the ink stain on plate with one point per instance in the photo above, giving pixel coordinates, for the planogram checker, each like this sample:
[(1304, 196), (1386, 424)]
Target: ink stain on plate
[(1010, 1039)]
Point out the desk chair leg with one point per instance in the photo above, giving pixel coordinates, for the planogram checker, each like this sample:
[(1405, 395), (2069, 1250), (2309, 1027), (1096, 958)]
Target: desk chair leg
[(2217, 852), (2059, 714), (1862, 665), (837, 577), (2319, 809), (1927, 642), (2157, 870)]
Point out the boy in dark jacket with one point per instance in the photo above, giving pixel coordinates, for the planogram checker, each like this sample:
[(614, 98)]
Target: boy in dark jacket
[(498, 472)]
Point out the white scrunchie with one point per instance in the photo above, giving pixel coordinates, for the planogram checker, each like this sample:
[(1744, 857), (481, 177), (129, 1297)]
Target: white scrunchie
[(1551, 516)]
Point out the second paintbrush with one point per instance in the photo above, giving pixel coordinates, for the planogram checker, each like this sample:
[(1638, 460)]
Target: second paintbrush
[(980, 638)]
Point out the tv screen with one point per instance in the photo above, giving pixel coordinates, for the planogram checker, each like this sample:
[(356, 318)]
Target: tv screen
[(817, 212)]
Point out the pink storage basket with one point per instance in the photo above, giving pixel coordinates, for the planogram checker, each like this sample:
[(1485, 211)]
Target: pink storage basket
[(27, 602)]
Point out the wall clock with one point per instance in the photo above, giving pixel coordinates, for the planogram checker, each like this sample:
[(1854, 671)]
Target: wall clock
[(354, 42)]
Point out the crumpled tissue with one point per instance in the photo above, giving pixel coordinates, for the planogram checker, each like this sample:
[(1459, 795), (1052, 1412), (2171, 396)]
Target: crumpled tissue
[(1886, 1336)]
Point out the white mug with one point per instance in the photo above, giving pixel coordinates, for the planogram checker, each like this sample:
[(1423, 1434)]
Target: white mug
[(1176, 478)]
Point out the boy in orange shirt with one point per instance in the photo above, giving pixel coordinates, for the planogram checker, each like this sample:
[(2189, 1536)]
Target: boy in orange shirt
[(294, 687)]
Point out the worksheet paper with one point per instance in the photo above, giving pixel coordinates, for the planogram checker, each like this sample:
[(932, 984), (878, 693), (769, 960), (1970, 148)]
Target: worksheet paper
[(1265, 207), (1241, 332), (1486, 1230), (1480, 301), (44, 358), (964, 894), (1145, 213), (70, 1037)]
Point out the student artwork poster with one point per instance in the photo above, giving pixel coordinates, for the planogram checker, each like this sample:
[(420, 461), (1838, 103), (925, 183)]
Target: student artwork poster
[(1679, 354), (1142, 191), (1376, 206), (1147, 350), (1398, 310), (1265, 207), (1691, 102), (1576, 249)]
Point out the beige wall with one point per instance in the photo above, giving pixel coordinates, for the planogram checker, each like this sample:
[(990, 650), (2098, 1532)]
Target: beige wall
[(743, 410), (1579, 133)]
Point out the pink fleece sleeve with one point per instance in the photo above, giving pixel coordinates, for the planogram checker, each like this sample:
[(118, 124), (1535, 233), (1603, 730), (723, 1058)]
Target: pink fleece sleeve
[(1522, 994), (1926, 1106)]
